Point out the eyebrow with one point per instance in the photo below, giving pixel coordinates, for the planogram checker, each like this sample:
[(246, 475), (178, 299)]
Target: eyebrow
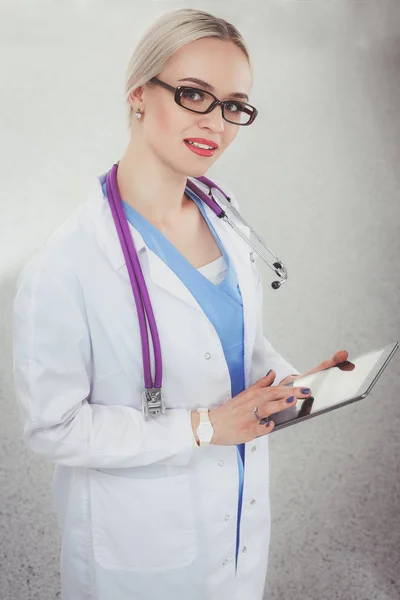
[(211, 88)]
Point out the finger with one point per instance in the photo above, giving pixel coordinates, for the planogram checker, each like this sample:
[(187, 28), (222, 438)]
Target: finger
[(282, 404), (267, 380), (281, 392), (338, 357), (283, 401), (264, 429)]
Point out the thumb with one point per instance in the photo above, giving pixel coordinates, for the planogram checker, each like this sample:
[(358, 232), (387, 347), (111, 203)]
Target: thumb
[(267, 380)]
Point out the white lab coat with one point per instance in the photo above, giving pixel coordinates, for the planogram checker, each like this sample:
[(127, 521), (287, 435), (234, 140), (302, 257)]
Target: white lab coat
[(143, 512)]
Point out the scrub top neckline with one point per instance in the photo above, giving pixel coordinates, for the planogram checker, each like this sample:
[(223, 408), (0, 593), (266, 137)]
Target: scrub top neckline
[(190, 194), (213, 263)]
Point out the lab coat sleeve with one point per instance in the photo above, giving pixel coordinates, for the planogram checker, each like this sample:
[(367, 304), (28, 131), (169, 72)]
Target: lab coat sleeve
[(273, 360), (51, 365)]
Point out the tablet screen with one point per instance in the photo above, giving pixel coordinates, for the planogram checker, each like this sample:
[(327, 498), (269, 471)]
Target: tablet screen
[(338, 385)]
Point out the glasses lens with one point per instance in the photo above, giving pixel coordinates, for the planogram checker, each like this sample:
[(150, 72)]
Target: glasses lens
[(237, 112), (196, 99), (199, 101)]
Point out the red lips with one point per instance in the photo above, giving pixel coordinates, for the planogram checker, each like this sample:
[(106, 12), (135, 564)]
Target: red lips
[(203, 141)]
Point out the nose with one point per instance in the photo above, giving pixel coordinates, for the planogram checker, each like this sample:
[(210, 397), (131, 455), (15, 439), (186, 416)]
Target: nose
[(214, 120)]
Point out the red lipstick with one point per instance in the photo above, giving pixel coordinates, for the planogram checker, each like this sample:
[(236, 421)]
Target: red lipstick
[(203, 141), (201, 151)]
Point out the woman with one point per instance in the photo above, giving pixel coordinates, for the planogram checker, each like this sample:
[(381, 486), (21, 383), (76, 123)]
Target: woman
[(145, 512)]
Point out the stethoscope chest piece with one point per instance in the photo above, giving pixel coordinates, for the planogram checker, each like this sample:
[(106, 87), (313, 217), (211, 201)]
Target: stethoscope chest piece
[(152, 402)]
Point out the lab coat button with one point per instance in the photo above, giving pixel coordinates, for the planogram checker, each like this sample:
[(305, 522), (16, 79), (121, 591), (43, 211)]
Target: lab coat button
[(207, 356), (253, 448), (244, 549), (252, 258), (227, 517), (225, 562), (252, 501), (221, 462)]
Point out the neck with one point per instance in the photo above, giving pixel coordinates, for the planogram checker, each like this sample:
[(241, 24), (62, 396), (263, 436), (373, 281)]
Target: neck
[(149, 186)]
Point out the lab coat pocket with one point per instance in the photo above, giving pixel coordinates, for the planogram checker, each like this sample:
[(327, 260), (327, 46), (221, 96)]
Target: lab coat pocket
[(142, 524)]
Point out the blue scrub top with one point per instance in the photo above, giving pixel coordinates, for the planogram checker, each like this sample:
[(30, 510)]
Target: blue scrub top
[(222, 303)]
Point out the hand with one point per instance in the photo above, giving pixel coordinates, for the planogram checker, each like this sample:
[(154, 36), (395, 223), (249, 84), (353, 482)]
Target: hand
[(339, 357), (235, 422)]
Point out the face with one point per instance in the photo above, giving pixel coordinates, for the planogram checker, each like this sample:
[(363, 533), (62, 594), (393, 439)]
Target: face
[(165, 125)]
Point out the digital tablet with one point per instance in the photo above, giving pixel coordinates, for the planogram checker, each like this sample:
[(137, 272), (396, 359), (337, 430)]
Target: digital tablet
[(337, 386)]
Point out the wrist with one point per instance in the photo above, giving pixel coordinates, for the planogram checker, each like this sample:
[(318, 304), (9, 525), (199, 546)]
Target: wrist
[(195, 417), (211, 416)]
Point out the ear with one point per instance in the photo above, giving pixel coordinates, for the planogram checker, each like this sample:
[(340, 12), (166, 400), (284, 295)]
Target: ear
[(136, 96)]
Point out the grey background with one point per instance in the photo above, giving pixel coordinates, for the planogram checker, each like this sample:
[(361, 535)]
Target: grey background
[(318, 174)]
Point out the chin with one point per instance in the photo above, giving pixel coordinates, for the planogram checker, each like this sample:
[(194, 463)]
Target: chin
[(191, 169), (197, 172)]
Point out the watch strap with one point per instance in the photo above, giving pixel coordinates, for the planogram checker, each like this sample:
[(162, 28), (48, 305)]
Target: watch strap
[(204, 419)]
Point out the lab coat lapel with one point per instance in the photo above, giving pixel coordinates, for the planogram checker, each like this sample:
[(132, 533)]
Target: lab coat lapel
[(107, 235), (159, 271), (165, 278), (239, 254)]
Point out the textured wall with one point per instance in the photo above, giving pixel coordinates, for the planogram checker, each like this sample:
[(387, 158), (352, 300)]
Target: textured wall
[(319, 176)]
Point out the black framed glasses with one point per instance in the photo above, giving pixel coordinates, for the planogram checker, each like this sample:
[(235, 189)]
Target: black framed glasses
[(199, 101)]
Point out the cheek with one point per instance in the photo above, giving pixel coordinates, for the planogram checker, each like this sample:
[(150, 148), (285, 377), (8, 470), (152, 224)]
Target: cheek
[(167, 120), (229, 136), (167, 128)]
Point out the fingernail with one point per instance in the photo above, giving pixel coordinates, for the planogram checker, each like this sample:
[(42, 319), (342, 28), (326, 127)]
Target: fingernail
[(305, 390), (290, 399), (268, 373)]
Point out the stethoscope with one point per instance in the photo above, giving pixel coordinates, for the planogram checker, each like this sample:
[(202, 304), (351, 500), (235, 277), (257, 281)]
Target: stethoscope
[(152, 399)]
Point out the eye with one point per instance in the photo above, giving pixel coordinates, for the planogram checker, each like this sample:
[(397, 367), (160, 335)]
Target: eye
[(193, 94), (234, 106)]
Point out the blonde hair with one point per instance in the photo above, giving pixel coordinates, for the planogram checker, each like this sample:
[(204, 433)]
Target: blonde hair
[(167, 35)]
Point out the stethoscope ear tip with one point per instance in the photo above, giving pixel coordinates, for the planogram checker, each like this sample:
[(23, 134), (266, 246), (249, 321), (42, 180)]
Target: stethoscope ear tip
[(276, 285)]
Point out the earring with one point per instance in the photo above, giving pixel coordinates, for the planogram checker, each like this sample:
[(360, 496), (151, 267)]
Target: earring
[(138, 114)]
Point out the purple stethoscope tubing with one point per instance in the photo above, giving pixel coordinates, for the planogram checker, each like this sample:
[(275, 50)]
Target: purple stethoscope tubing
[(136, 277), (140, 292)]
